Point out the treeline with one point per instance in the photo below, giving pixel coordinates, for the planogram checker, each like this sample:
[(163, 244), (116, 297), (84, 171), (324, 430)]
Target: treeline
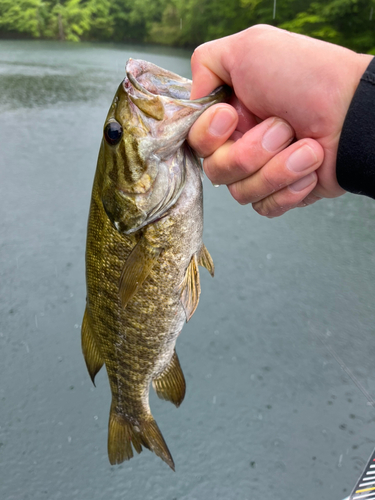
[(187, 22)]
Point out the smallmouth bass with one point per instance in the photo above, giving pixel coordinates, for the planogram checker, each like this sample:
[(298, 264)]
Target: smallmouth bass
[(144, 245)]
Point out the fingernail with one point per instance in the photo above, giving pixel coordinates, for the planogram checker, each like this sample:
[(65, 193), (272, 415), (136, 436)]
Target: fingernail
[(276, 136), (301, 184), (302, 159), (221, 122)]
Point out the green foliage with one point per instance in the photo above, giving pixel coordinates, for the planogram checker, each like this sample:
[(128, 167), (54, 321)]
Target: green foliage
[(70, 20), (312, 24), (23, 16), (347, 22), (101, 20), (188, 22)]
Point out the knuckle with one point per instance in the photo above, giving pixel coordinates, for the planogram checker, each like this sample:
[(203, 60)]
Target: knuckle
[(200, 148), (219, 165), (209, 169), (214, 170), (274, 208), (201, 53), (240, 162), (195, 141), (258, 29), (197, 54), (268, 181), (260, 209), (270, 207), (238, 194), (310, 199)]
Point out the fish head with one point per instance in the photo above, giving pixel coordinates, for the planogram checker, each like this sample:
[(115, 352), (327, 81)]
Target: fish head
[(143, 159)]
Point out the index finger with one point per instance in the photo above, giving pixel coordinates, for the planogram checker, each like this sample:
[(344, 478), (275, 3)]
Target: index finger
[(209, 67)]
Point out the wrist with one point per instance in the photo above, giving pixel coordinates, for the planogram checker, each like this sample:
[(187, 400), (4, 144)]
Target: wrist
[(360, 65), (355, 168)]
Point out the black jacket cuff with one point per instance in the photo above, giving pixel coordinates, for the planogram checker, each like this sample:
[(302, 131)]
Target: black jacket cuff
[(355, 167)]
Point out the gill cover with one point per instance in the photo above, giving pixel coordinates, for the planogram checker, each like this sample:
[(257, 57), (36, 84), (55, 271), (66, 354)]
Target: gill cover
[(144, 151)]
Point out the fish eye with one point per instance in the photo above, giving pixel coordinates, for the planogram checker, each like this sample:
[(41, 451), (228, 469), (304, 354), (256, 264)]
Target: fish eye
[(113, 132)]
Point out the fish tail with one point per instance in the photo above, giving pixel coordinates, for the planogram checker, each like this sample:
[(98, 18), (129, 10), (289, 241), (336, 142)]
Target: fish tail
[(122, 434)]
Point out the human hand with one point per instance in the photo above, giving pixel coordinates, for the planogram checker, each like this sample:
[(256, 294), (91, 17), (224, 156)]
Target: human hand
[(286, 86)]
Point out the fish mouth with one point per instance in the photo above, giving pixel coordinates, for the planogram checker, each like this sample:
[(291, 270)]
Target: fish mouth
[(159, 115), (159, 102), (151, 80)]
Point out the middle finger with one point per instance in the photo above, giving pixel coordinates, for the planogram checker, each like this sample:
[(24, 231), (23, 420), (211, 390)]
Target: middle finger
[(290, 165), (236, 160)]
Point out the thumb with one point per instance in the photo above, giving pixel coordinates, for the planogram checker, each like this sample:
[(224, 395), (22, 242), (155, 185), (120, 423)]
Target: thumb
[(209, 68)]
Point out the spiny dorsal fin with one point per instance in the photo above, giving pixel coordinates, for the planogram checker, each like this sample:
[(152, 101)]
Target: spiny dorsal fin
[(122, 434), (90, 351), (136, 269), (205, 260), (170, 384), (191, 288)]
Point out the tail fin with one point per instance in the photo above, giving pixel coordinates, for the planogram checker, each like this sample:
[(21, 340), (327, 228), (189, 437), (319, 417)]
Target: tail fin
[(122, 434)]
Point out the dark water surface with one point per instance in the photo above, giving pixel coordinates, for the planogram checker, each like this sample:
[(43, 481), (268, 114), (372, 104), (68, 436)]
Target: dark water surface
[(269, 412)]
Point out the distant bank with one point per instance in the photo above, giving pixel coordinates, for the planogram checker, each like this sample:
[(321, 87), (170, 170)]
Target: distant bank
[(182, 23)]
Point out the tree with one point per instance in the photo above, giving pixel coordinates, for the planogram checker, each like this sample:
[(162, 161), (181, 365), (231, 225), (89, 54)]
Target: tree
[(24, 16)]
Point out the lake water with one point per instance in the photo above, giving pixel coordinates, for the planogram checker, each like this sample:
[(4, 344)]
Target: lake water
[(278, 359)]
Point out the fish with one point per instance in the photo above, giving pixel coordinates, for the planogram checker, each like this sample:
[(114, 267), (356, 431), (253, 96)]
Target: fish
[(144, 246)]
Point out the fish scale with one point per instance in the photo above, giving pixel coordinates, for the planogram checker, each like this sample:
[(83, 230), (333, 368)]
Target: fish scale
[(144, 243)]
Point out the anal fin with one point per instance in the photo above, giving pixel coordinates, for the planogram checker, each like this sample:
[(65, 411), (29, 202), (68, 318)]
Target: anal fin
[(205, 260), (191, 288), (92, 356), (170, 384), (122, 434), (137, 267)]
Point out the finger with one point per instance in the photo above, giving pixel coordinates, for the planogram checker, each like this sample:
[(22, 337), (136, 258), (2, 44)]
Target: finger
[(212, 129), (287, 167), (290, 197), (208, 69), (310, 199), (246, 119), (238, 160)]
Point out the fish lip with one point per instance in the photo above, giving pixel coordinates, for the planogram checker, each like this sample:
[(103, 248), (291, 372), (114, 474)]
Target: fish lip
[(135, 68), (130, 81)]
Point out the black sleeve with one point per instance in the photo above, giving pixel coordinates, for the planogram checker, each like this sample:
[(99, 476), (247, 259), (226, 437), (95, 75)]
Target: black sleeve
[(355, 166)]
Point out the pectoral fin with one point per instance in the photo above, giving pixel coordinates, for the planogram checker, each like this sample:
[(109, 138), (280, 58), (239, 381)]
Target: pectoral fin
[(136, 269), (205, 260), (170, 384), (191, 288), (90, 351)]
